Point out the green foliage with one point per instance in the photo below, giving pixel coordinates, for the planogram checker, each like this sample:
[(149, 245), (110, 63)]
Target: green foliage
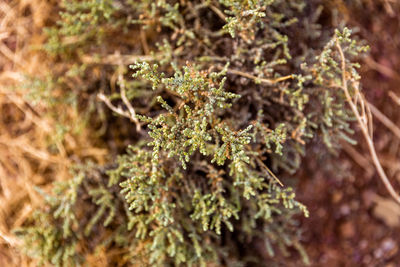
[(181, 133), (47, 242), (329, 76), (56, 243), (222, 105), (79, 24)]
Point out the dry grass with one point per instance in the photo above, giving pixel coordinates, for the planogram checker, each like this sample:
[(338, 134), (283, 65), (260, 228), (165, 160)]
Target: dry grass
[(25, 158)]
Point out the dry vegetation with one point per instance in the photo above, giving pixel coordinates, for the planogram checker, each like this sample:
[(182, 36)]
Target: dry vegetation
[(356, 198), (25, 158)]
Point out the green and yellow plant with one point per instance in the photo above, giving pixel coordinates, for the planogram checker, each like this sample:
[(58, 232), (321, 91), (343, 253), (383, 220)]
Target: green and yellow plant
[(214, 101)]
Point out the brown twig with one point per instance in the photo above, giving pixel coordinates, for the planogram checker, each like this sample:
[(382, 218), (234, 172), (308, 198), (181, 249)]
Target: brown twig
[(358, 158), (385, 120), (131, 114), (218, 12), (118, 109), (143, 40), (128, 104), (381, 68), (394, 97), (116, 59), (255, 78), (268, 170)]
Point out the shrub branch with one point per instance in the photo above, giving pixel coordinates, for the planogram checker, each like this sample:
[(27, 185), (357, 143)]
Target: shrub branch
[(364, 121)]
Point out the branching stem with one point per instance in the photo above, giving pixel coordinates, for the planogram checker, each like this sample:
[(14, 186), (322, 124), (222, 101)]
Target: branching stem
[(363, 120), (119, 110)]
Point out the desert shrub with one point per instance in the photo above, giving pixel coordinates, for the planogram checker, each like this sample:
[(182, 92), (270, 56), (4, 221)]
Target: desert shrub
[(215, 104)]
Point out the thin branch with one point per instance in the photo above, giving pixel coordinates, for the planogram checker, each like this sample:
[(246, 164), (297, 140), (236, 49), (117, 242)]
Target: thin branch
[(143, 39), (363, 123), (117, 59), (385, 120), (128, 104), (358, 158), (394, 97), (255, 78), (107, 101), (381, 68), (131, 114), (118, 110), (389, 8), (218, 12), (268, 170)]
